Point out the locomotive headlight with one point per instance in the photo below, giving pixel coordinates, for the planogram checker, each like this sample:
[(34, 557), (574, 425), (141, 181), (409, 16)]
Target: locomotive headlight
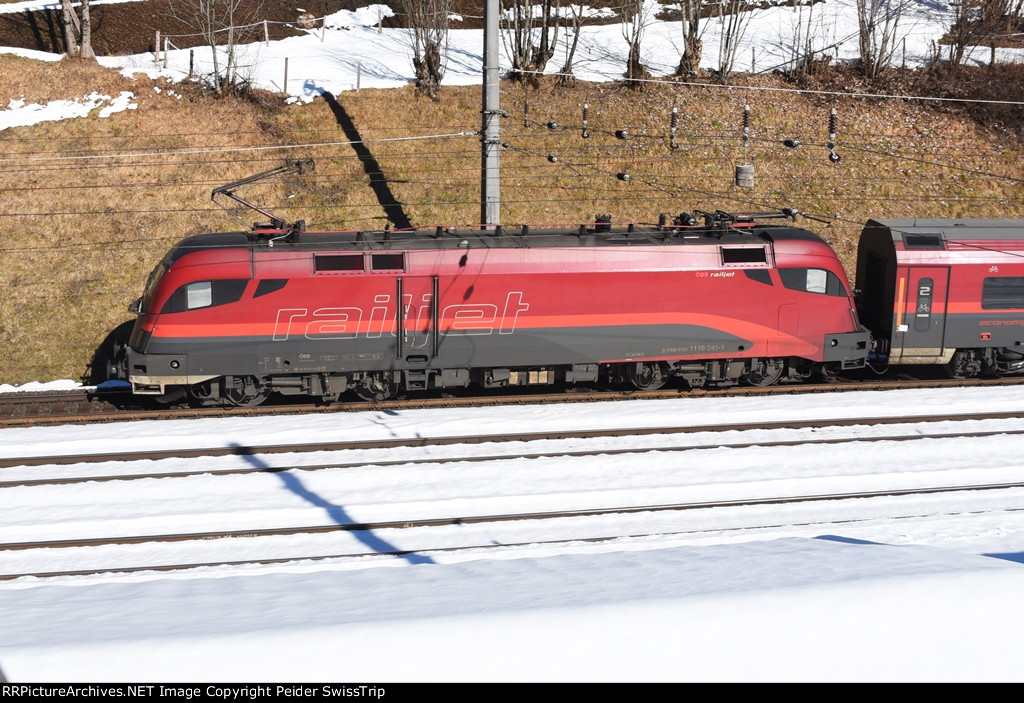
[(175, 364), (833, 343)]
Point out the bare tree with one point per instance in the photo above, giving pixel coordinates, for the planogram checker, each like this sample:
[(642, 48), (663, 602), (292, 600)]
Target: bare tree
[(565, 76), (428, 22), (636, 15), (693, 45), (808, 34), (976, 22), (223, 24), (877, 24), (530, 35), (77, 32), (734, 17)]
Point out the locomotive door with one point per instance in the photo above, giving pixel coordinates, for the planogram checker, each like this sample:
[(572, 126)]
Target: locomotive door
[(921, 323), (417, 324)]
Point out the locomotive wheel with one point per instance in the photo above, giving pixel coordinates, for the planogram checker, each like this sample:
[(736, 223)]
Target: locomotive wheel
[(245, 392), (765, 372), (377, 387), (647, 377)]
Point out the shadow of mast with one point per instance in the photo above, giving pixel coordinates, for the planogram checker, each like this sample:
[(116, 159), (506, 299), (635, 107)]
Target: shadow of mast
[(392, 208)]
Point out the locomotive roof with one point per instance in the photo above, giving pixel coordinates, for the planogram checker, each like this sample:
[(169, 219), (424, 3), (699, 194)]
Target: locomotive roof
[(518, 237)]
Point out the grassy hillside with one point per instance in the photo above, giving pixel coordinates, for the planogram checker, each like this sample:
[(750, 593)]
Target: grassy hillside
[(88, 206)]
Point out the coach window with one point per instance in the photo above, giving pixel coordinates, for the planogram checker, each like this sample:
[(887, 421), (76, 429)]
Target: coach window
[(1005, 293)]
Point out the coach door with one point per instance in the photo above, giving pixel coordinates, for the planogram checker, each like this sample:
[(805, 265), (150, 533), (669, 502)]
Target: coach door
[(921, 323), (417, 341)]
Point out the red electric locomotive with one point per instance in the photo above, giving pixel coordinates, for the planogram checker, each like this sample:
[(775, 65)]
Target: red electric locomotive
[(231, 318), (944, 291)]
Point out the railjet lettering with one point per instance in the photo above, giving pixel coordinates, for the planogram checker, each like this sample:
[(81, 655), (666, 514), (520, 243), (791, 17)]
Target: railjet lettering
[(349, 321)]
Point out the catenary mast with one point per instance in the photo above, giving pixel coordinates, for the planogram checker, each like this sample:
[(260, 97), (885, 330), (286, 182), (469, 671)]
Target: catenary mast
[(490, 180)]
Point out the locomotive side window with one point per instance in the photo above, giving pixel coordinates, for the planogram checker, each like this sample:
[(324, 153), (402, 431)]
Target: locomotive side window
[(338, 262), (812, 281), (1005, 293), (204, 294), (199, 295), (388, 262)]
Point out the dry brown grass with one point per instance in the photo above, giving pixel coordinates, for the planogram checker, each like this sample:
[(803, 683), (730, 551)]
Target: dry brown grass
[(90, 205)]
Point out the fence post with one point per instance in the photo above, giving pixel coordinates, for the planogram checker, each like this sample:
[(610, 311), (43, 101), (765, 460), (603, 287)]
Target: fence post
[(753, 61), (167, 43), (266, 34), (359, 73), (191, 62), (285, 84), (156, 48), (323, 29)]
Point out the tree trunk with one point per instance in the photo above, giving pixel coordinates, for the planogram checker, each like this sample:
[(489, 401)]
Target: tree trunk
[(70, 22), (86, 51)]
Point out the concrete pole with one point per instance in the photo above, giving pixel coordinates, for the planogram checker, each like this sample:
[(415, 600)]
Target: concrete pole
[(490, 180)]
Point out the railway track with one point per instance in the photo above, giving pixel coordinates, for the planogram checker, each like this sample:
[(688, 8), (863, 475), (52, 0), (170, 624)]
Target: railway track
[(91, 405), (863, 434), (429, 531), (411, 525)]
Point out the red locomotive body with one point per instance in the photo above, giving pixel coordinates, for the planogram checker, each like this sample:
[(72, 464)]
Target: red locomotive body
[(944, 291), (229, 318)]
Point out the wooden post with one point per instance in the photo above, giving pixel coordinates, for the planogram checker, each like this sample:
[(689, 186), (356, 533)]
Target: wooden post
[(323, 29), (191, 62), (156, 48), (167, 43), (359, 73), (266, 33), (992, 61), (285, 84)]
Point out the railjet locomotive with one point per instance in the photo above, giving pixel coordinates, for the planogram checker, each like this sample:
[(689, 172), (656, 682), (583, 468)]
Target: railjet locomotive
[(708, 299), (716, 301)]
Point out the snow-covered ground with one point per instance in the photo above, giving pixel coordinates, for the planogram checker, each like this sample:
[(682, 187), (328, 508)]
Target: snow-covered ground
[(918, 599)]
